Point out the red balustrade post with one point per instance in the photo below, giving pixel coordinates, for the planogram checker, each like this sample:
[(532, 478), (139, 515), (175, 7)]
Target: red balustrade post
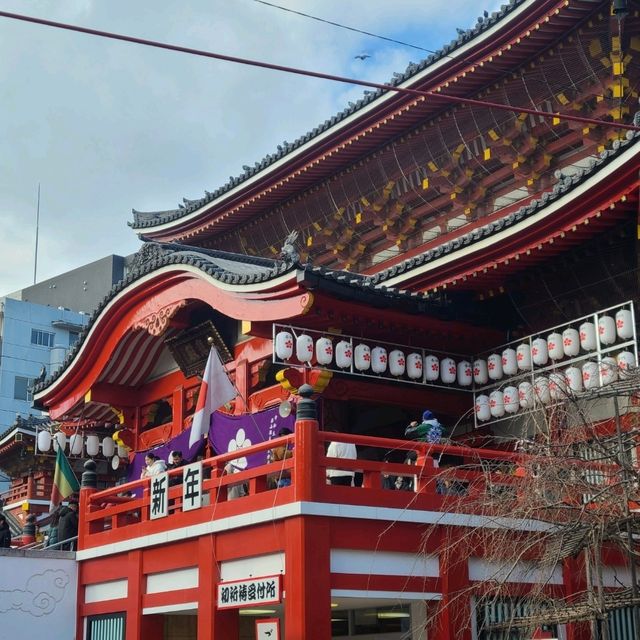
[(88, 487), (305, 452)]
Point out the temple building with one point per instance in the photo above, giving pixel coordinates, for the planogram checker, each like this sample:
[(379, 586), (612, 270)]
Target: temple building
[(462, 254)]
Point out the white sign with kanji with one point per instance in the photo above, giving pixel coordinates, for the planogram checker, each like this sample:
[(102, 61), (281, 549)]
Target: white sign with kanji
[(268, 629), (242, 593), (159, 502), (192, 486)]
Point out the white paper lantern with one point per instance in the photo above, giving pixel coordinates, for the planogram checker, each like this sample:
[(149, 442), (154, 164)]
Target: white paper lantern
[(75, 444), (108, 446), (480, 372), (123, 452), (571, 343), (496, 404), (414, 366), (509, 362), (115, 462), (483, 413), (525, 395), (448, 370), (60, 440), (541, 390), (511, 399), (624, 324), (397, 363), (284, 345), (557, 386), (590, 378), (523, 355), (588, 336), (344, 354), (494, 366), (626, 361), (379, 360), (431, 368), (44, 441), (608, 370), (465, 373), (93, 445), (607, 329), (362, 357), (574, 379), (304, 347), (554, 346), (539, 352), (324, 351)]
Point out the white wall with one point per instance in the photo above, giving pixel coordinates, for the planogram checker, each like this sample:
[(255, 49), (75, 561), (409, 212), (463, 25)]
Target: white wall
[(38, 592)]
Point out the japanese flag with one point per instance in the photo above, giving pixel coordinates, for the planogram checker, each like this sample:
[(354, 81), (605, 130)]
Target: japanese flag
[(216, 389)]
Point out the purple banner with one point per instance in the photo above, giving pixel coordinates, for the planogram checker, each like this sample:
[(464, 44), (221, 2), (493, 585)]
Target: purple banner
[(232, 433), (179, 443)]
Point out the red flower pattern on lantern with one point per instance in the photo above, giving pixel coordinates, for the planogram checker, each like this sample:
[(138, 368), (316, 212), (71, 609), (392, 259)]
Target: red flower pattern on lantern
[(328, 351), (492, 403), (534, 351), (476, 371), (310, 347), (401, 362), (435, 366), (522, 395), (586, 376), (552, 346), (347, 353), (452, 370), (600, 329), (567, 342), (418, 364), (583, 336), (467, 371), (289, 344), (520, 356), (491, 365), (383, 359), (366, 357), (620, 323)]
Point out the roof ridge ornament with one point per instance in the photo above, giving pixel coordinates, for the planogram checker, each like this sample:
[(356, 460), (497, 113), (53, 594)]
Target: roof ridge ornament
[(289, 252)]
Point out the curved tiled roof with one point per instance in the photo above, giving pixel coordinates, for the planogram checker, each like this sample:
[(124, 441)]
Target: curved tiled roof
[(238, 270), (564, 185), (147, 219)]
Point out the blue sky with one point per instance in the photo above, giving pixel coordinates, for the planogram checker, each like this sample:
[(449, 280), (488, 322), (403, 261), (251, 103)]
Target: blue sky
[(105, 127)]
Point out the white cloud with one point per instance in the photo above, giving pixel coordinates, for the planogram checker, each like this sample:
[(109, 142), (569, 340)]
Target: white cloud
[(105, 126)]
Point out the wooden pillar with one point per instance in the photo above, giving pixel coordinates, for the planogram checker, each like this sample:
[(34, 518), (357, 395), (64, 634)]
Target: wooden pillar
[(212, 623), (135, 591), (453, 621), (307, 580)]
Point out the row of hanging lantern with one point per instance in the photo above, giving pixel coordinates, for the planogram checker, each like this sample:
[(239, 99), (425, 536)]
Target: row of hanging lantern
[(77, 443), (555, 387), (555, 347), (377, 359)]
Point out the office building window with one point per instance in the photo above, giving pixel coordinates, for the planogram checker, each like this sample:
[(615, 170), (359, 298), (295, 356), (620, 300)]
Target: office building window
[(42, 338), (23, 388), (73, 337)]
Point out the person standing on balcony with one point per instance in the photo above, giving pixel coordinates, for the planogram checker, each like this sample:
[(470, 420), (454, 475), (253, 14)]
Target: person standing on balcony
[(154, 466), (344, 450), (5, 533), (175, 461), (429, 430), (279, 454), (68, 525), (53, 528)]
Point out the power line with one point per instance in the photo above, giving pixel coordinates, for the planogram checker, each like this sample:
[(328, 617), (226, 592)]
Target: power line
[(314, 74), (344, 26)]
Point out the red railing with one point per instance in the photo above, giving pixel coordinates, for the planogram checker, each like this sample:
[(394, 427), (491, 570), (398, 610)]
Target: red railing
[(108, 517)]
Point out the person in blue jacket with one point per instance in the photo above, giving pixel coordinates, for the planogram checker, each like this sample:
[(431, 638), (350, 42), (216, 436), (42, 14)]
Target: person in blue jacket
[(429, 430)]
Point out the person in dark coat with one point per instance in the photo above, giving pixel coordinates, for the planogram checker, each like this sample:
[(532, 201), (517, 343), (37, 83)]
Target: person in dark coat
[(5, 533), (175, 461), (68, 525), (53, 528)]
